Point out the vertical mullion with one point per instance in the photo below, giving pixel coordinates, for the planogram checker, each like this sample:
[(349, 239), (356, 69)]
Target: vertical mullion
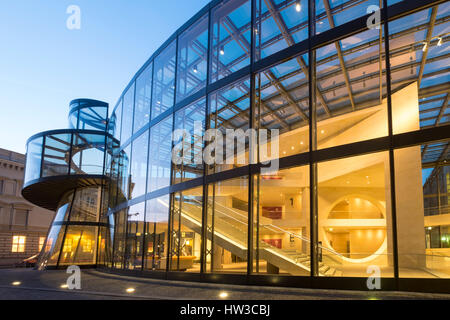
[(312, 143), (204, 228), (251, 154), (391, 143)]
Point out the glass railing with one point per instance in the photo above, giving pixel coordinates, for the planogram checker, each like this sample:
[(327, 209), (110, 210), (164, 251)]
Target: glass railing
[(67, 152)]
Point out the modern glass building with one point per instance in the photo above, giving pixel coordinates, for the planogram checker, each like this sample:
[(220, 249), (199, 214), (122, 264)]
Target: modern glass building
[(354, 102)]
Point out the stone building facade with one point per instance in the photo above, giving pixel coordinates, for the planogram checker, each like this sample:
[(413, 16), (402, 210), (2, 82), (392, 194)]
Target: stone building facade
[(23, 226)]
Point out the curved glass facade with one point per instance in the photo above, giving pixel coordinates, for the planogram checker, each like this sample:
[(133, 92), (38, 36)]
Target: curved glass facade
[(349, 174)]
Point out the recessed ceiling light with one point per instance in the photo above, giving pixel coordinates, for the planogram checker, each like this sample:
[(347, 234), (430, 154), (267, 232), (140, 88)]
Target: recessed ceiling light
[(223, 295), (130, 290), (16, 283)]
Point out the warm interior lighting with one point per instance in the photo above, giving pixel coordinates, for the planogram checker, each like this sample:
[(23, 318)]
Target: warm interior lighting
[(298, 6), (130, 290), (64, 286), (223, 295), (271, 177), (16, 283), (322, 131)]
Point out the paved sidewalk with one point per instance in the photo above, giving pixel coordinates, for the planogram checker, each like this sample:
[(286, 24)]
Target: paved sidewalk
[(96, 285)]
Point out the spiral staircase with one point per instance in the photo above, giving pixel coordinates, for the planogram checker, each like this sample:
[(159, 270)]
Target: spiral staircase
[(65, 173)]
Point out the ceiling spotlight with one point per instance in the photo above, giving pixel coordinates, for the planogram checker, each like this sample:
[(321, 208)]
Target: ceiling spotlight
[(223, 295), (425, 46), (221, 50), (16, 283), (130, 290), (298, 6), (195, 69), (322, 131)]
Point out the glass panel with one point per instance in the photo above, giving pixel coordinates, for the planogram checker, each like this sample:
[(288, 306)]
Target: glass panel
[(116, 121), (227, 226), (282, 105), (354, 214), (50, 254), (351, 90), (143, 98), (419, 68), (156, 233), (127, 117), (88, 154), (56, 153), (164, 80), (160, 155), (80, 246), (188, 142), (186, 230), (228, 109), (230, 41), (62, 213), (333, 13), (422, 182), (138, 177), (93, 118), (124, 175), (135, 236), (279, 24), (282, 224), (119, 238), (192, 59), (73, 120), (85, 206), (34, 157)]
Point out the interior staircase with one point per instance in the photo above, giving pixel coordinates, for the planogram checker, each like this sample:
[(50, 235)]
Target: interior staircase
[(230, 233)]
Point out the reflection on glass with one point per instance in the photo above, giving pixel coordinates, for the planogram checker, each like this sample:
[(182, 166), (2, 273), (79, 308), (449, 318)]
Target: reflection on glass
[(354, 214), (127, 115), (192, 59), (143, 98), (138, 177), (34, 156), (227, 226), (186, 230), (164, 80), (188, 142), (156, 233), (135, 236), (79, 246), (119, 238), (160, 158)]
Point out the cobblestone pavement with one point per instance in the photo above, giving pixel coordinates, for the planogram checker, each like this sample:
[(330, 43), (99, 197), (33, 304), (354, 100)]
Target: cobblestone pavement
[(95, 285)]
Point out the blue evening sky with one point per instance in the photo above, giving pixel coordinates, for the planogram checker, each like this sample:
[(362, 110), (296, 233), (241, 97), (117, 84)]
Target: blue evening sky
[(44, 65)]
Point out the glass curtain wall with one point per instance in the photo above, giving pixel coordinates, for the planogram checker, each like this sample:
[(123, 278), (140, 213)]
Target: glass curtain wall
[(326, 116)]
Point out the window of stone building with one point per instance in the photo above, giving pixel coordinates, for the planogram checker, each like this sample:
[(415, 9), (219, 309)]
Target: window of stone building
[(18, 244), (41, 243), (20, 217)]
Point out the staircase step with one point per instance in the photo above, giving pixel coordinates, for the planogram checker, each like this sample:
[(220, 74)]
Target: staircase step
[(323, 269)]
